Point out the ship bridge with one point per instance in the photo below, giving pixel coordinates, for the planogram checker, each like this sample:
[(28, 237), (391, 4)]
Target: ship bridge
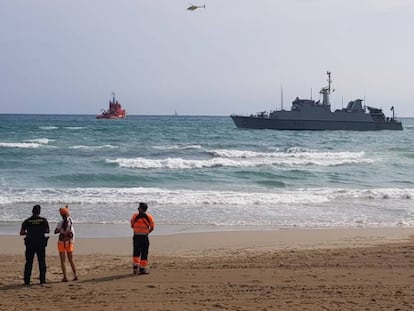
[(355, 106), (309, 105)]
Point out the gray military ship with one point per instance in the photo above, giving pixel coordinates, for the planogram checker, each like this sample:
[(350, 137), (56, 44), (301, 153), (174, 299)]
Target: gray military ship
[(307, 114)]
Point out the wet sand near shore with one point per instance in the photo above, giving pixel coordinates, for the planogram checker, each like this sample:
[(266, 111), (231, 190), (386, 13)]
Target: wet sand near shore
[(348, 270)]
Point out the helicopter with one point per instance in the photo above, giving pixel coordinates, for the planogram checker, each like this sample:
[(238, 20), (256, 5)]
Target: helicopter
[(193, 7)]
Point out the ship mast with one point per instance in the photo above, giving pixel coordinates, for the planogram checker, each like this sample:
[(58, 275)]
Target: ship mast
[(329, 82), (113, 97), (281, 97), (326, 91)]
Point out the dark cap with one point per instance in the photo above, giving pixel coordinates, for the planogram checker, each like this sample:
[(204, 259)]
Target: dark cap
[(143, 206), (36, 209)]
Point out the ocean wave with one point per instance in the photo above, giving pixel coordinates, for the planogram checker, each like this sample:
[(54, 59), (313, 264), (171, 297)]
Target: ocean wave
[(317, 207), (93, 147), (75, 127), (27, 143), (175, 163), (158, 195), (50, 127), (178, 147), (19, 145), (234, 158), (288, 153), (161, 196), (43, 141)]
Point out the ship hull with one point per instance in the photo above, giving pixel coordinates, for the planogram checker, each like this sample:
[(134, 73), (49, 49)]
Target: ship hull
[(110, 116), (254, 122)]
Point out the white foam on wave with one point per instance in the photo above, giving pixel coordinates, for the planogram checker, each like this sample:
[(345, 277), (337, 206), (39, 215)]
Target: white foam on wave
[(43, 141), (93, 147), (177, 147), (75, 127), (177, 163), (27, 143), (236, 158), (163, 196), (50, 127), (298, 153), (19, 145), (318, 207)]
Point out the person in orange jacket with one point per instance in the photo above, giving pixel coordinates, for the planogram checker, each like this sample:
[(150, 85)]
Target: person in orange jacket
[(142, 224)]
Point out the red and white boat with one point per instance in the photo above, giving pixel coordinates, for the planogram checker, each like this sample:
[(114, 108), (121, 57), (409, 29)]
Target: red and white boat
[(115, 110)]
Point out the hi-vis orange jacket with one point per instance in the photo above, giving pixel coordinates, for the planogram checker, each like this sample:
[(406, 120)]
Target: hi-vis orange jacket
[(142, 225)]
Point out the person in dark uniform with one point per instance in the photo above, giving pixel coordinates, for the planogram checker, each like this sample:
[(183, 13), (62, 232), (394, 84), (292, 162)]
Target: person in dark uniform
[(35, 229)]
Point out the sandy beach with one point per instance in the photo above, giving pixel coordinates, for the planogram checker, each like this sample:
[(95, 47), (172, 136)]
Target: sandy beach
[(319, 269)]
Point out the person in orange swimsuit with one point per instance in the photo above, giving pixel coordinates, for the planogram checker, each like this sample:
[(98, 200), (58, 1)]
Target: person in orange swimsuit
[(66, 242)]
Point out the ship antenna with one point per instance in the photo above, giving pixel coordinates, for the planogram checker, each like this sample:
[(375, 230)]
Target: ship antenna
[(329, 81), (281, 97)]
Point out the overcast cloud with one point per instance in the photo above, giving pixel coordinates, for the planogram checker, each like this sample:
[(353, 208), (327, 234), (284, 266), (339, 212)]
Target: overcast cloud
[(67, 56)]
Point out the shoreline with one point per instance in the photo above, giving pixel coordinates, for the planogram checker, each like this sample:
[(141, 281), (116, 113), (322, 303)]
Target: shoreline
[(123, 230), (193, 243)]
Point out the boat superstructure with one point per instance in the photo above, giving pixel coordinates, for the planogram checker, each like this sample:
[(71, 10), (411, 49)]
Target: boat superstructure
[(115, 110)]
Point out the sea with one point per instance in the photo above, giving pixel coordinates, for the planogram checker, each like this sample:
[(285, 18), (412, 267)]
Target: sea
[(201, 173)]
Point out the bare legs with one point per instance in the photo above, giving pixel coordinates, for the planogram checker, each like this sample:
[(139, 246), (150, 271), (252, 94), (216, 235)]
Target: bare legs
[(72, 264), (62, 264)]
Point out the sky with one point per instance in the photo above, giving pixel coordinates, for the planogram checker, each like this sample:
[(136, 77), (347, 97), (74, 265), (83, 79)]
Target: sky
[(234, 56)]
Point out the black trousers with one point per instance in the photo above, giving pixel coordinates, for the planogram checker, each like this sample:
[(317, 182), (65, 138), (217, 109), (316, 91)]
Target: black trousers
[(141, 246), (40, 251)]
